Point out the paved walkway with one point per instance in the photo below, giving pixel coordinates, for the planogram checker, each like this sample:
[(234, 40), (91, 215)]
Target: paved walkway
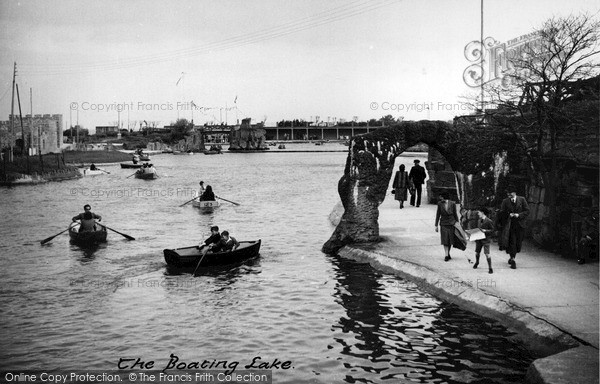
[(550, 300), (549, 286)]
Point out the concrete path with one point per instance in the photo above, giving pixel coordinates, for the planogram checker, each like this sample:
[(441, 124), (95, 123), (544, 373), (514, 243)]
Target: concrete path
[(551, 287), (547, 297), (551, 301)]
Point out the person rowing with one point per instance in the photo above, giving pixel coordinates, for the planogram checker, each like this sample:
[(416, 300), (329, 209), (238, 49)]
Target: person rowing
[(214, 238), (208, 194), (87, 219)]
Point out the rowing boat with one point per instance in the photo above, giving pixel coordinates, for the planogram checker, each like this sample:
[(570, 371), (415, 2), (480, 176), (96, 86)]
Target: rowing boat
[(214, 150), (146, 173), (93, 172), (190, 256), (87, 238), (205, 205), (131, 165)]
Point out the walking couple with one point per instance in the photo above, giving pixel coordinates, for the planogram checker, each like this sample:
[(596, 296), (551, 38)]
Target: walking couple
[(413, 181)]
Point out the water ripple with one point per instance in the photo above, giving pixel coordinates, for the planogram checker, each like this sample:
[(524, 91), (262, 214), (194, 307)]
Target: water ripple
[(336, 320)]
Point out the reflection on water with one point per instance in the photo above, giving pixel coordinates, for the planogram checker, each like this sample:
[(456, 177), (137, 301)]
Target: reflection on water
[(87, 252), (403, 334), (64, 307)]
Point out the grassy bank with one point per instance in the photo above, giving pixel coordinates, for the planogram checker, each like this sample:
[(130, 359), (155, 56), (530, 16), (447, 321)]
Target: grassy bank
[(88, 157), (58, 165)]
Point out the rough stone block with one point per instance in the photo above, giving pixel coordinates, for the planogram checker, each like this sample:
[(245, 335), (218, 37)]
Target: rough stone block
[(574, 366)]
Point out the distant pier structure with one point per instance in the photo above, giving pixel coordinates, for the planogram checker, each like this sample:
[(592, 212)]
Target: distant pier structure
[(248, 137), (311, 132)]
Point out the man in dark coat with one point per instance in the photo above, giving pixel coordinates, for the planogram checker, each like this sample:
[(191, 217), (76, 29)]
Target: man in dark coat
[(215, 238), (417, 176), (514, 211)]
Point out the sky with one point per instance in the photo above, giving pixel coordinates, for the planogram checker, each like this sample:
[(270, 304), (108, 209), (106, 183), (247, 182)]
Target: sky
[(265, 59)]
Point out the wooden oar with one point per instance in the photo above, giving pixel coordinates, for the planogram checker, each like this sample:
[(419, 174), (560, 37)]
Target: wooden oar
[(229, 201), (189, 201), (52, 237), (102, 170), (131, 175), (122, 234), (197, 266)]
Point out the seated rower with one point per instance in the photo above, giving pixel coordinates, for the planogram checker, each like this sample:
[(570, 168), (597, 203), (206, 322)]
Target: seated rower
[(93, 167), (87, 219), (227, 243), (208, 194), (214, 238)]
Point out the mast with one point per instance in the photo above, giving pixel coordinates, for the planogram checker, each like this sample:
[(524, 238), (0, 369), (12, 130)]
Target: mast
[(39, 148), (23, 133), (77, 128), (12, 109), (39, 140)]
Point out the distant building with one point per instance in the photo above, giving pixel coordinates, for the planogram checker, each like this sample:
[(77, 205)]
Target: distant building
[(107, 130), (42, 131)]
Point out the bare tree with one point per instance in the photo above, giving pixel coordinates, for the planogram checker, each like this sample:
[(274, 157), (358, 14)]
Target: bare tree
[(536, 100)]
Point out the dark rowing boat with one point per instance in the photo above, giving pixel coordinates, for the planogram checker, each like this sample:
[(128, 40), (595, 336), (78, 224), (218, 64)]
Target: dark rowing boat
[(89, 237), (131, 165), (146, 173), (190, 256)]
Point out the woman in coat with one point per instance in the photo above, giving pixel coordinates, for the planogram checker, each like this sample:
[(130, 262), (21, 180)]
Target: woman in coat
[(208, 194), (446, 216), (400, 185)]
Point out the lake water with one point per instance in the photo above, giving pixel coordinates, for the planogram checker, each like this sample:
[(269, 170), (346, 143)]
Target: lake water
[(337, 321)]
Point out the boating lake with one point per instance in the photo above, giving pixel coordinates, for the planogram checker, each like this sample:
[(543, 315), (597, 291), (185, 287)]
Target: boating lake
[(335, 320)]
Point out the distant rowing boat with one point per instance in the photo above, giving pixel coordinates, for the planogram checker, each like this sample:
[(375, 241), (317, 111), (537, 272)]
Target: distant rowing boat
[(93, 172), (146, 173), (131, 165), (205, 205)]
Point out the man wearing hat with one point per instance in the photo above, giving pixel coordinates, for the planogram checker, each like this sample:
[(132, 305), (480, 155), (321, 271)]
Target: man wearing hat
[(417, 176), (514, 211)]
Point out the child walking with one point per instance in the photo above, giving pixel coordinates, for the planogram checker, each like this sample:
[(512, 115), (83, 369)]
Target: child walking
[(486, 226)]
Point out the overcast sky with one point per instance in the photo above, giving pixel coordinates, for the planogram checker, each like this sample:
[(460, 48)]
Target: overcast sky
[(280, 59)]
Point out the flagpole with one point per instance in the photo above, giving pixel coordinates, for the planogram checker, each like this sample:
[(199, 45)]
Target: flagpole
[(482, 51), (237, 119)]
